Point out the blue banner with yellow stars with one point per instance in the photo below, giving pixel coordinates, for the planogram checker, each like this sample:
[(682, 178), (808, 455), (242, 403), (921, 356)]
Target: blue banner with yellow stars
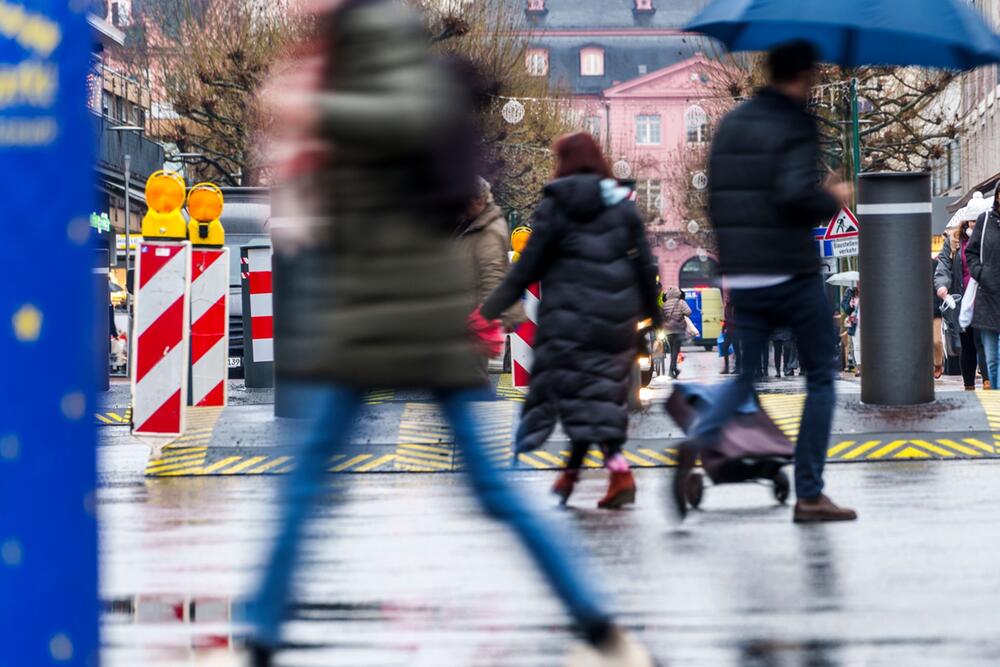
[(48, 528)]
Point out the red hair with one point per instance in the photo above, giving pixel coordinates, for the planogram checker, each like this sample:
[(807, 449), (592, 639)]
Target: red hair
[(578, 153)]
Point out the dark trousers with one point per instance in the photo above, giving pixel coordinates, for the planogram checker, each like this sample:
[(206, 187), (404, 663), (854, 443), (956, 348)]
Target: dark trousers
[(674, 340), (969, 359), (579, 451), (785, 357), (801, 305)]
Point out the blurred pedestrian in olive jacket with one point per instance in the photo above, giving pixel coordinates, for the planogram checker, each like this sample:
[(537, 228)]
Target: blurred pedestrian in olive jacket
[(377, 129)]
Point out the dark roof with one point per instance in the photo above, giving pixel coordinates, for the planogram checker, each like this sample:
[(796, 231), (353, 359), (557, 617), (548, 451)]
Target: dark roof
[(565, 14), (623, 57)]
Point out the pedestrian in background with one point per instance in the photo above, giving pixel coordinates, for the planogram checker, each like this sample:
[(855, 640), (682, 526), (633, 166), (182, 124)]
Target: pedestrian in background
[(482, 240), (951, 277), (589, 251), (983, 256), (380, 295), (765, 198), (675, 313), (850, 305), (784, 352), (936, 333)]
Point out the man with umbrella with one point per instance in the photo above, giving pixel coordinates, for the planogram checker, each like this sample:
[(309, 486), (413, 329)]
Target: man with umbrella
[(765, 198)]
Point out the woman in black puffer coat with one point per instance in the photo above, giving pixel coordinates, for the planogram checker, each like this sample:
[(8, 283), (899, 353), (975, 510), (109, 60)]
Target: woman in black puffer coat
[(589, 251)]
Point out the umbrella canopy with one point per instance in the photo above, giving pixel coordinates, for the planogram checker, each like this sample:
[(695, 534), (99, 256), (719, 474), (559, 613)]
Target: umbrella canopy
[(930, 33), (844, 279)]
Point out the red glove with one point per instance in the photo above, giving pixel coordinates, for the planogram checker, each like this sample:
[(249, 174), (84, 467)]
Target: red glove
[(488, 335)]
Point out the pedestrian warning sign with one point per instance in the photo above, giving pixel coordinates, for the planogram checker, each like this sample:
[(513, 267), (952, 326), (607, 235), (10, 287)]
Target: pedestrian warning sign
[(843, 226)]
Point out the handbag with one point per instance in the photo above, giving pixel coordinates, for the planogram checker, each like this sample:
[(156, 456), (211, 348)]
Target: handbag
[(691, 329), (950, 338), (969, 297)]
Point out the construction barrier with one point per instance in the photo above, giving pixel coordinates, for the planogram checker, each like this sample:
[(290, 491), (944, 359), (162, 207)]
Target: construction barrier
[(522, 340), (160, 342), (209, 327), (258, 316)]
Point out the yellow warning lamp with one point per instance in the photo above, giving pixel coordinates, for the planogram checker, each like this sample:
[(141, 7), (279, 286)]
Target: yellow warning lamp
[(164, 196), (519, 239), (204, 205)]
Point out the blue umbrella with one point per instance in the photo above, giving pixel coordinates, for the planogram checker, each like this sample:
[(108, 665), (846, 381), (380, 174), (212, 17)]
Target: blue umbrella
[(930, 33)]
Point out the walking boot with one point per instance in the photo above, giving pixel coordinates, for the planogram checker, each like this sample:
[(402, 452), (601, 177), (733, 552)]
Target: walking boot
[(621, 491), (618, 649), (821, 508), (986, 385), (968, 388), (564, 485), (687, 454)]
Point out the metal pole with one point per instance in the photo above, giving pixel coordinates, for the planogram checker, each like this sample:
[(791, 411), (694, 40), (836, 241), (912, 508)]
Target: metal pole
[(855, 130), (128, 262), (896, 309)]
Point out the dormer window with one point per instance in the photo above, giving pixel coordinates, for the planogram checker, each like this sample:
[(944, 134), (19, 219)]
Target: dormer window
[(536, 6), (592, 61), (644, 6), (537, 62)]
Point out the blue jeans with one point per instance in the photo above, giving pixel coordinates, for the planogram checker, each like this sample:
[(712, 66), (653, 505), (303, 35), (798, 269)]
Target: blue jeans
[(332, 411), (801, 305), (991, 348)]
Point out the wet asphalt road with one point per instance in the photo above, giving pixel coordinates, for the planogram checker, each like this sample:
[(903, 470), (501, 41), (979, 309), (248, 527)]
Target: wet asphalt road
[(405, 572)]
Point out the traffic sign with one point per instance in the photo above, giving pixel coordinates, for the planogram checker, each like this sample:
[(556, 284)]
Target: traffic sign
[(843, 226)]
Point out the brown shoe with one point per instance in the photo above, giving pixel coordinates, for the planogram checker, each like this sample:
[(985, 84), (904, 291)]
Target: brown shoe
[(986, 385), (621, 491), (938, 372), (821, 508), (973, 388), (565, 484)]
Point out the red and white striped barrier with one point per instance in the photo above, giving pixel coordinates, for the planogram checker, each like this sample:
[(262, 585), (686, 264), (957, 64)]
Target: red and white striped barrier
[(522, 340), (209, 327), (160, 343), (257, 271)]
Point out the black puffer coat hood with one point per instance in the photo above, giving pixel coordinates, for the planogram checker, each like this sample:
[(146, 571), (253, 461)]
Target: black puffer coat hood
[(597, 280)]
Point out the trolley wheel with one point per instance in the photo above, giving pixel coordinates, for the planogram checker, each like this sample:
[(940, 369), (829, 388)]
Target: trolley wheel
[(782, 487), (694, 489)]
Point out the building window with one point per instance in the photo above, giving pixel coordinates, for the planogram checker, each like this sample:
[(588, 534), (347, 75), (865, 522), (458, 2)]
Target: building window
[(537, 61), (592, 124), (643, 69), (649, 196), (954, 163), (592, 62), (647, 129), (696, 125)]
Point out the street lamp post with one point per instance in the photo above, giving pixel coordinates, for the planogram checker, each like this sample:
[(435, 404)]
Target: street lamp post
[(128, 237)]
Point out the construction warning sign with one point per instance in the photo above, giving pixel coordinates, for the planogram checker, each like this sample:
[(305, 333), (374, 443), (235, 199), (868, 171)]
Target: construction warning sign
[(843, 226)]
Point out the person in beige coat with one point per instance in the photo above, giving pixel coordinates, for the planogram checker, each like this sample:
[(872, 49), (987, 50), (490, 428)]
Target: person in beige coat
[(482, 242)]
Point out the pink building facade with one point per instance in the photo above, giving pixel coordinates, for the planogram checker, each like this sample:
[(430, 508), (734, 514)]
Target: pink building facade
[(638, 82)]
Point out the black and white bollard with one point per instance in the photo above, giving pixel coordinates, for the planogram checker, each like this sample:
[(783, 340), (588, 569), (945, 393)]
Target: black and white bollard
[(896, 289)]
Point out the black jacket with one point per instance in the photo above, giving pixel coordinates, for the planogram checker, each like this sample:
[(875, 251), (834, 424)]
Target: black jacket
[(765, 197), (598, 279), (984, 266)]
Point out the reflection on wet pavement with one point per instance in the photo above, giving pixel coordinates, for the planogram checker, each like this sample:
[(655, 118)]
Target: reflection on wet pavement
[(405, 572)]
